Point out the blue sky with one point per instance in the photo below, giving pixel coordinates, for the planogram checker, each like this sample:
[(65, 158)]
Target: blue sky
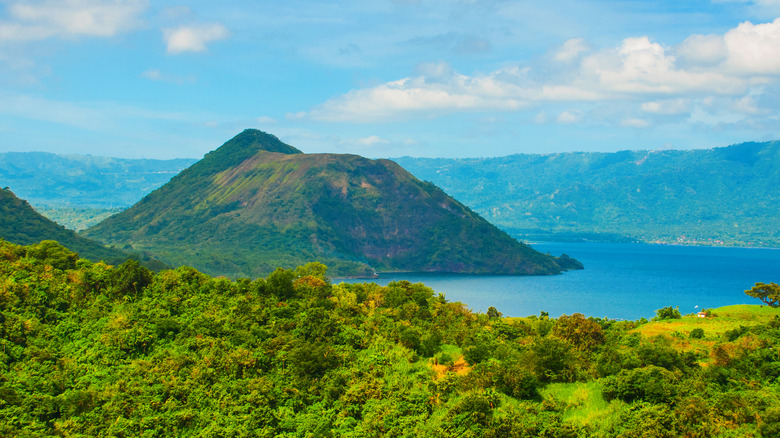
[(438, 78)]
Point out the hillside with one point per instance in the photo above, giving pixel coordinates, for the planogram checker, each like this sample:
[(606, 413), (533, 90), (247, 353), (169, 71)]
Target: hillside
[(255, 204), (716, 196), (21, 224), (92, 350), (80, 190)]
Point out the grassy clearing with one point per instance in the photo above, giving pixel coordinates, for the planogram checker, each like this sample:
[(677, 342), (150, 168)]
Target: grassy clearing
[(449, 360), (584, 404), (723, 319)]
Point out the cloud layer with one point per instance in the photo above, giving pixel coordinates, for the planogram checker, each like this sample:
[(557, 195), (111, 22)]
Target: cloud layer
[(34, 21), (657, 80)]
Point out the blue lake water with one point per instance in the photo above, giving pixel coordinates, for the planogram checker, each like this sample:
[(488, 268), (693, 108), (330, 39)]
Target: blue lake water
[(620, 281)]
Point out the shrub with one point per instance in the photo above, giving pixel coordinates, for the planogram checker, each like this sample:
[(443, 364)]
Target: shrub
[(651, 384), (667, 313)]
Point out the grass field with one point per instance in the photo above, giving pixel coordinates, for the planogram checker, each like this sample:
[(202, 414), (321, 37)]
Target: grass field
[(722, 320)]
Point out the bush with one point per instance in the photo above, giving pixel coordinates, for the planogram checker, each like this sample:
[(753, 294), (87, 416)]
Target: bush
[(697, 333), (651, 384), (667, 313)]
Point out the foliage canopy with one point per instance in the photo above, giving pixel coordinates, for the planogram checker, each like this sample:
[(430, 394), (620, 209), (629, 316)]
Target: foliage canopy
[(89, 349)]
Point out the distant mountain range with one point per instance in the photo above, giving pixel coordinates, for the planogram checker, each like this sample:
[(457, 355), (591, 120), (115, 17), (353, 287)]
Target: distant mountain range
[(22, 225), (719, 196), (84, 181), (256, 204)]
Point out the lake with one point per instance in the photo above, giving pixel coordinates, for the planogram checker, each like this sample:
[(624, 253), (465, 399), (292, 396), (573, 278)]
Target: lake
[(620, 281)]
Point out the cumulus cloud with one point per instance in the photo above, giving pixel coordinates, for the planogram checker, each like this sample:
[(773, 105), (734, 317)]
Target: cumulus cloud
[(440, 94), (703, 50), (193, 38), (659, 80), (40, 20), (754, 48)]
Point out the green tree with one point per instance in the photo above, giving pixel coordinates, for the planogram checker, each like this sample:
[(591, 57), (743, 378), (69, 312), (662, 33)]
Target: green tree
[(768, 293), (52, 253), (667, 313), (583, 333), (493, 313), (651, 384)]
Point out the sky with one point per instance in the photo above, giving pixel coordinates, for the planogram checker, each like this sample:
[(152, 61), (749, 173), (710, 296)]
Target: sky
[(387, 78)]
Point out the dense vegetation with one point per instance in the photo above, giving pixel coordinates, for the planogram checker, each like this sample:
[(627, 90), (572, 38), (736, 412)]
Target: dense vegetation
[(76, 218), (256, 203), (21, 224), (720, 196), (94, 350)]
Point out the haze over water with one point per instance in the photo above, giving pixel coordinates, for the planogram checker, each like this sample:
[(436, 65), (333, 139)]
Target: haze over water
[(620, 281)]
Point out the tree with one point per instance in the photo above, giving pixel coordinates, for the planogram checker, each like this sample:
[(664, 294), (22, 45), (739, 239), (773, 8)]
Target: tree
[(493, 313), (583, 333), (768, 293), (667, 313), (52, 253)]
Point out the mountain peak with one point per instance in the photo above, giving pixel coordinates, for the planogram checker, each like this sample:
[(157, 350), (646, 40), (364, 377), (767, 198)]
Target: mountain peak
[(238, 149), (243, 211), (257, 140)]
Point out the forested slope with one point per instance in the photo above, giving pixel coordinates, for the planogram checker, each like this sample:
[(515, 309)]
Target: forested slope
[(90, 350), (719, 196)]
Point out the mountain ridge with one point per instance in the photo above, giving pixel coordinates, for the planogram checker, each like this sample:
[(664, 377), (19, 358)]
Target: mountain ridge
[(355, 214), (717, 196)]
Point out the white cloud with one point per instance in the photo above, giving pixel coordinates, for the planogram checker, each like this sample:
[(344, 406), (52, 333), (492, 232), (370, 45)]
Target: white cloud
[(667, 106), (570, 50), (371, 141), (568, 117), (640, 66), (443, 94), (747, 105), (265, 120), (703, 50), (635, 123), (40, 20), (754, 48), (193, 38), (655, 78)]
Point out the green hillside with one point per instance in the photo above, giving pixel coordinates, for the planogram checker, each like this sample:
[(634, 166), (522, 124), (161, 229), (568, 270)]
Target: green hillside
[(77, 191), (90, 350), (726, 196), (21, 224), (255, 204)]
